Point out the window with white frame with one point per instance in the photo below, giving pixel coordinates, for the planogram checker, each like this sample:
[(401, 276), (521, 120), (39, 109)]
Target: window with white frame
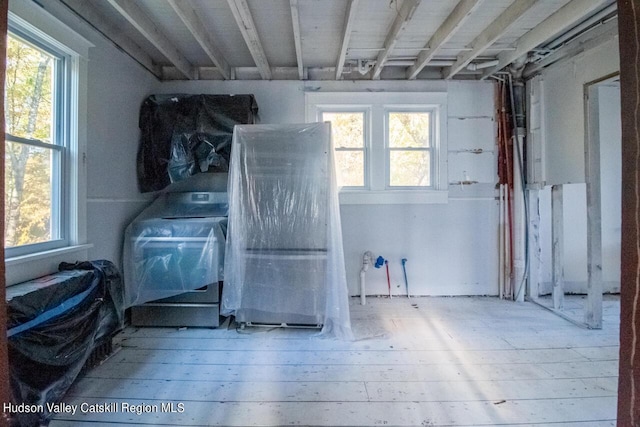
[(37, 144), (349, 135), (408, 135), (388, 145)]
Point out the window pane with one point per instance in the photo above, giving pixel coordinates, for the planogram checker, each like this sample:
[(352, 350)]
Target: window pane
[(410, 168), (350, 168), (409, 130), (28, 91), (28, 194), (347, 129)]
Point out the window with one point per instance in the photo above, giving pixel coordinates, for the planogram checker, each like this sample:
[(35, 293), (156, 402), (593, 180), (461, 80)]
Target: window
[(348, 133), (49, 62), (409, 149), (35, 148), (389, 147)]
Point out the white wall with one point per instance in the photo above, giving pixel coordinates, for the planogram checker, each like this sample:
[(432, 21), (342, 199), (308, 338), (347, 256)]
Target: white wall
[(451, 248), (563, 91), (564, 144), (116, 88), (610, 182)]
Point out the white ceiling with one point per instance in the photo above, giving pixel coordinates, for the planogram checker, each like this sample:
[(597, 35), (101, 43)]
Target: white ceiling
[(388, 39)]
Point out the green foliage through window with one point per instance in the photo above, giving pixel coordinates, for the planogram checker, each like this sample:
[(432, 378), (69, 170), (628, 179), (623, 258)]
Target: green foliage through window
[(347, 131), (29, 116)]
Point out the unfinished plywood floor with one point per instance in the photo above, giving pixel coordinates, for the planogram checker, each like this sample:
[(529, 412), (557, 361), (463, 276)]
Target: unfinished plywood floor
[(453, 361)]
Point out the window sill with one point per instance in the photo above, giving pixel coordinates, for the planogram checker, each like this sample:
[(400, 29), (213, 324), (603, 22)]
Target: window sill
[(46, 254), (393, 197)]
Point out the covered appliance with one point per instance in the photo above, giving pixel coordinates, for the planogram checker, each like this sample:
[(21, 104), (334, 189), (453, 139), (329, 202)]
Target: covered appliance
[(285, 261), (174, 259)]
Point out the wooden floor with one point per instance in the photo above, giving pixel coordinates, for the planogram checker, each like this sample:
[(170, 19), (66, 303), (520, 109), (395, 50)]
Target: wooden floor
[(451, 362)]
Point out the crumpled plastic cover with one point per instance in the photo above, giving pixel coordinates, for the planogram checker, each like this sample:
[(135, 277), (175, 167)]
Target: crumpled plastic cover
[(284, 258), (167, 253), (67, 315), (182, 135)]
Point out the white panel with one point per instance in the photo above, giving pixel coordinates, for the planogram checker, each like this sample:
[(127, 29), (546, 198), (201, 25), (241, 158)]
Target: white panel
[(611, 177), (471, 99), (472, 134), (472, 167), (575, 232), (449, 247), (564, 110)]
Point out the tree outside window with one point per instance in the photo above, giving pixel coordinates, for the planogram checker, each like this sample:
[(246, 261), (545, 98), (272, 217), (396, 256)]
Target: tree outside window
[(347, 132), (409, 136), (32, 153)]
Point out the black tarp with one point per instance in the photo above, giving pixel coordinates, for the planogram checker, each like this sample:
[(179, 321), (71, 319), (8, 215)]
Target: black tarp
[(54, 323), (182, 135)]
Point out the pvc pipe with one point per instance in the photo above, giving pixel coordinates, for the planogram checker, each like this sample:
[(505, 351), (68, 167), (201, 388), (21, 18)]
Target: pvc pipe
[(473, 66), (519, 226), (501, 243), (367, 260)]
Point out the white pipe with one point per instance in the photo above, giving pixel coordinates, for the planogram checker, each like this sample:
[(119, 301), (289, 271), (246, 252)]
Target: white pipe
[(473, 66), (501, 243), (519, 226), (507, 245), (367, 260)]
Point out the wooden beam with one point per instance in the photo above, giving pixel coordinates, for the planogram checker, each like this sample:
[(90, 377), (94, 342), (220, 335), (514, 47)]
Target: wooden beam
[(87, 12), (295, 19), (139, 19), (490, 34), (242, 14), (564, 18), (5, 390), (629, 365), (349, 19), (403, 17), (190, 18), (593, 307), (557, 248), (447, 29)]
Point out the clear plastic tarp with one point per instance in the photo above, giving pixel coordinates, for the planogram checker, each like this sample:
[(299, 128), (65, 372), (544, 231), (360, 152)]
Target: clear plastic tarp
[(174, 246), (284, 259)]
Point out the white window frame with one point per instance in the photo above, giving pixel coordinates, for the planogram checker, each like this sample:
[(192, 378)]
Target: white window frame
[(432, 149), (30, 19), (59, 146), (366, 149), (377, 189)]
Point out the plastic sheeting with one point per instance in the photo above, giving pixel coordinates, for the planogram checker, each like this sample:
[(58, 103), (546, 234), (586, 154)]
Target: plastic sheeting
[(182, 135), (54, 323), (174, 246), (284, 256)]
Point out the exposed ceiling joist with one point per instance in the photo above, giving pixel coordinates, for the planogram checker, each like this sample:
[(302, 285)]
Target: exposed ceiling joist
[(190, 18), (402, 19), (295, 19), (490, 34), (564, 18), (593, 38), (350, 17), (136, 16), (242, 14), (95, 18), (447, 29)]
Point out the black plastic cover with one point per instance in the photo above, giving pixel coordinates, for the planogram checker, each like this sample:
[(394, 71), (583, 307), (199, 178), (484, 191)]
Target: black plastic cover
[(182, 135), (82, 307)]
